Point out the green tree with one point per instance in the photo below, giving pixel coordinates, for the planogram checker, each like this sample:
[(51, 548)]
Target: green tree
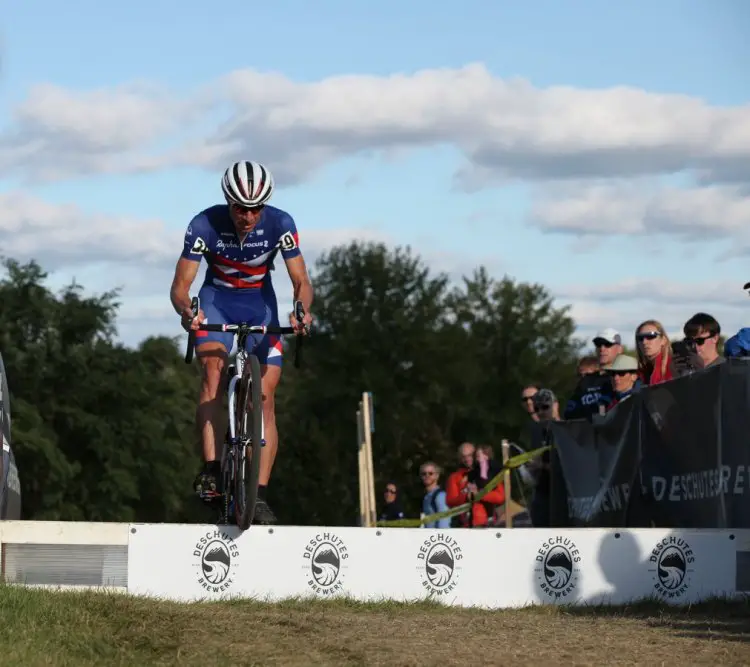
[(103, 432), (443, 364), (381, 326), (100, 432)]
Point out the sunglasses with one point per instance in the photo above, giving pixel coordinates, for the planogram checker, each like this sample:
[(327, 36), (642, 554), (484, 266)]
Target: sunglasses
[(621, 373), (526, 399), (390, 491), (697, 341), (647, 335), (248, 209)]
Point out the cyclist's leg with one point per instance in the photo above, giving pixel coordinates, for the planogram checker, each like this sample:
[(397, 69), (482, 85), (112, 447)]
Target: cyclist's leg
[(270, 369), (212, 349)]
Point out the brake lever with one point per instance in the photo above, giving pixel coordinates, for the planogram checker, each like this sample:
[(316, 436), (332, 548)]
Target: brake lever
[(299, 314), (195, 305)]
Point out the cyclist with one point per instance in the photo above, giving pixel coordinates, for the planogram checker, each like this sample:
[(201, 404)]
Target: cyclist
[(239, 240)]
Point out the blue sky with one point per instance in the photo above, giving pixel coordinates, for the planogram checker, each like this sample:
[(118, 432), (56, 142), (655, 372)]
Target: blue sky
[(636, 251)]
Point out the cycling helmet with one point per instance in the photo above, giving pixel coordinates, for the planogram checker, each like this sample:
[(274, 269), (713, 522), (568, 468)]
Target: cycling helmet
[(247, 183)]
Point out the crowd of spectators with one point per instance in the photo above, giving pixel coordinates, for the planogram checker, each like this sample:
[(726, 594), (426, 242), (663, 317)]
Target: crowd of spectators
[(613, 375), (477, 466), (604, 380)]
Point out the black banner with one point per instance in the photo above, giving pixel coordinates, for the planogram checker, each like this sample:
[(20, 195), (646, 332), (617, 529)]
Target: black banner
[(675, 455), (10, 485)]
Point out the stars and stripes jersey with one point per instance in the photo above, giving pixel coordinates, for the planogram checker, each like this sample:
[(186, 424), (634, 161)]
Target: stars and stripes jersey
[(235, 265)]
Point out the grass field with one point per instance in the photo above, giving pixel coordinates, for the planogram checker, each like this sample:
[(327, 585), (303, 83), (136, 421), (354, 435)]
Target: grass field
[(89, 628)]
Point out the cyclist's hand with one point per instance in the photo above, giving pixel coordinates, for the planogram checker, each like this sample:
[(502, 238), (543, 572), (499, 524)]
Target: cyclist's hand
[(300, 326), (189, 322)]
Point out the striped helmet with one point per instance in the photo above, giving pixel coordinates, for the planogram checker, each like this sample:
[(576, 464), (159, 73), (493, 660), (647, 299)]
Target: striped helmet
[(247, 183)]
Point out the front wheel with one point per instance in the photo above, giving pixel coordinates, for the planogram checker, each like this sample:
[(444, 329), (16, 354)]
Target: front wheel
[(249, 433)]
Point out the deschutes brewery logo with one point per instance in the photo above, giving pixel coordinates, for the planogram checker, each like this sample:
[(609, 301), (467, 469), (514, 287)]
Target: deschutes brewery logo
[(557, 567), (670, 562), (438, 561), (324, 561), (216, 555)]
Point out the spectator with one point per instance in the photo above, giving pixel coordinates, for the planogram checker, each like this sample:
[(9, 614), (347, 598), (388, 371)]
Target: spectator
[(625, 381), (546, 405), (485, 468), (466, 452), (654, 353), (593, 393), (702, 334), (434, 500), (527, 399), (608, 344), (459, 491), (539, 467), (392, 508), (738, 346), (588, 365)]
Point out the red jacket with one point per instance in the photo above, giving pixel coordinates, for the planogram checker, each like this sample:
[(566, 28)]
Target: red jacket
[(455, 496), (657, 376)]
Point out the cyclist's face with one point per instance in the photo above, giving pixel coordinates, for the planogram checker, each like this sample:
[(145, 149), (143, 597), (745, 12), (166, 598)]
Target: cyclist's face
[(245, 219)]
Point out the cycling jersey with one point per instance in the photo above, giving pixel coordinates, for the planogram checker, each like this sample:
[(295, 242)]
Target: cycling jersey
[(240, 265), (238, 286)]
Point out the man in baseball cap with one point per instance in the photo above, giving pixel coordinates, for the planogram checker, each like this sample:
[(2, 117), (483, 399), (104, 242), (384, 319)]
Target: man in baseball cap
[(594, 391), (608, 344)]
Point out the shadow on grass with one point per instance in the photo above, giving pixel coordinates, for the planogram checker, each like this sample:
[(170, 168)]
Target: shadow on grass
[(716, 619)]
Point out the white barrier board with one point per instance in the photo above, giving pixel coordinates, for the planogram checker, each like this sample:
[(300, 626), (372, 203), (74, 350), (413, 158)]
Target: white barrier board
[(487, 568)]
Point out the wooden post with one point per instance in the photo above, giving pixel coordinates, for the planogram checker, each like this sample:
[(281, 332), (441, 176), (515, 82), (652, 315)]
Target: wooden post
[(506, 483), (368, 427), (362, 470)]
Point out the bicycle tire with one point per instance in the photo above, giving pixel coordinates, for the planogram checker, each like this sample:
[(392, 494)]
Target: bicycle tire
[(250, 427), (226, 479)]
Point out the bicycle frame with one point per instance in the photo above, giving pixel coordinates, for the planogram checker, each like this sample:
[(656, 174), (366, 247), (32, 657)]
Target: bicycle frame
[(231, 447), (232, 391)]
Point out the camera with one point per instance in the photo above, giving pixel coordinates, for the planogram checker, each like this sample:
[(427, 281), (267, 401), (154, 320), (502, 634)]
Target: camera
[(686, 357), (543, 401)]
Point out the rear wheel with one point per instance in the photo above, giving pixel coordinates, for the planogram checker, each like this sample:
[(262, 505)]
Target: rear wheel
[(249, 432)]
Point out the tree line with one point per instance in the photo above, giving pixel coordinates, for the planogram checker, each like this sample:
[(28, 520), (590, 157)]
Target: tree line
[(103, 432)]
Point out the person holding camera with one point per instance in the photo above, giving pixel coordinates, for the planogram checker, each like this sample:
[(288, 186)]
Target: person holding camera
[(702, 333), (546, 409)]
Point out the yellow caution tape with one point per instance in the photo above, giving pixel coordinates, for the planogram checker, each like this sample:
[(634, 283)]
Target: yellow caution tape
[(511, 463)]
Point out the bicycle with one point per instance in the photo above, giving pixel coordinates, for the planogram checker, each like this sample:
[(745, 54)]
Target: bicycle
[(244, 438)]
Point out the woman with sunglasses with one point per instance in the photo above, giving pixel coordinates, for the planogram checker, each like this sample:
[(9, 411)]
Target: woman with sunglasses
[(655, 362), (392, 509)]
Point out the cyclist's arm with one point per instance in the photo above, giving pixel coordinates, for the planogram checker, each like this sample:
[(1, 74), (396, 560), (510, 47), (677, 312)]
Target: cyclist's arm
[(295, 263), (303, 290), (194, 245), (184, 275)]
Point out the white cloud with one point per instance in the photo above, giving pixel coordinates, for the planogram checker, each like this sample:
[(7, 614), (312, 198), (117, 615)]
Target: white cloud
[(60, 236), (635, 207), (58, 133), (505, 128)]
